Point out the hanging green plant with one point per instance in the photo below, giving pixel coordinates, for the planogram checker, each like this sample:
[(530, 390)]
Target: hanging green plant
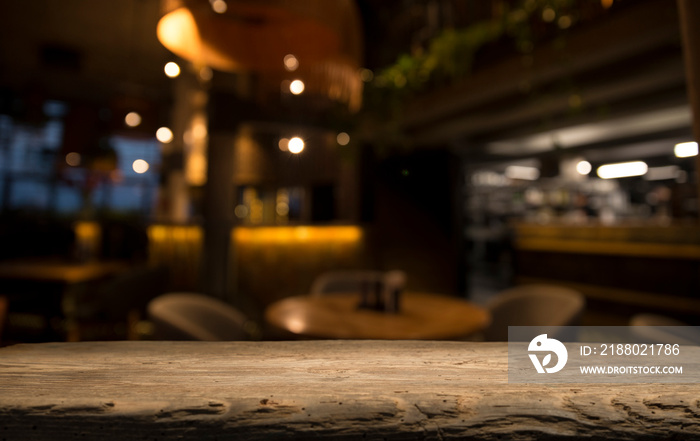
[(452, 54), (449, 56)]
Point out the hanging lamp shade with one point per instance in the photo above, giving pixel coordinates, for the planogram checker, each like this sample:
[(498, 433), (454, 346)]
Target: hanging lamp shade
[(256, 35)]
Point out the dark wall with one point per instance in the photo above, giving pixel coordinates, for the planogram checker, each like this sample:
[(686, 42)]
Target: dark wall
[(414, 223)]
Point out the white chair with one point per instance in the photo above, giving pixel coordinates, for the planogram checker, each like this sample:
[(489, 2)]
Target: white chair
[(533, 305), (192, 316), (655, 328)]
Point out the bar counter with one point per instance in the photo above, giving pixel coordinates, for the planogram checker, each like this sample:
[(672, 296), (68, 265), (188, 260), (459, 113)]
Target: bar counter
[(642, 265), (639, 240), (316, 389)]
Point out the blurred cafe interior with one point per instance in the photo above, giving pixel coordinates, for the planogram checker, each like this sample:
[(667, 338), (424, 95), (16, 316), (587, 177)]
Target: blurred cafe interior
[(277, 169)]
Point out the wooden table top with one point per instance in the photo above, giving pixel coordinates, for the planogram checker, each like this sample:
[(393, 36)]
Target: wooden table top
[(422, 316), (298, 390), (58, 271)]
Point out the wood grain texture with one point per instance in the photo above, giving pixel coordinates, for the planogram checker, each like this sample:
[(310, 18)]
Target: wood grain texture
[(341, 390)]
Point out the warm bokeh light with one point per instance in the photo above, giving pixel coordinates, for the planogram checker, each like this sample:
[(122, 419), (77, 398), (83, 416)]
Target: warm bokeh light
[(171, 69), (85, 230), (296, 145), (366, 75), (206, 74), (522, 172), (622, 170), (606, 3), (343, 138), (132, 119), (73, 159), (297, 325), (296, 87), (548, 14), (282, 205), (686, 149), (199, 129), (291, 63), (88, 237), (241, 211), (140, 166), (488, 178), (283, 144), (584, 167), (219, 6), (282, 209), (164, 135), (564, 22)]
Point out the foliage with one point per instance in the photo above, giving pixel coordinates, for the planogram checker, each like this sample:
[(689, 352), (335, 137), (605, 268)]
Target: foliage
[(450, 54)]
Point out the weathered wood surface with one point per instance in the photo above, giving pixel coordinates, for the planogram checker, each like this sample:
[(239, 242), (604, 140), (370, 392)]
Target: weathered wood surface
[(315, 389)]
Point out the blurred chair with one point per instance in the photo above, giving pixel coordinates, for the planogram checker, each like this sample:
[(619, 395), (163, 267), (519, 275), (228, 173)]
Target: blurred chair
[(193, 316), (655, 328), (344, 281), (533, 305)]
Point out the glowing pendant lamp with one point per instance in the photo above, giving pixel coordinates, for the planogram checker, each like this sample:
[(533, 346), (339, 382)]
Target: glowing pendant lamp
[(256, 35)]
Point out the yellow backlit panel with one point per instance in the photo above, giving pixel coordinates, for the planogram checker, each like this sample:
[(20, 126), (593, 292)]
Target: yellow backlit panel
[(88, 238), (179, 248), (87, 231), (159, 233), (295, 255), (286, 235)]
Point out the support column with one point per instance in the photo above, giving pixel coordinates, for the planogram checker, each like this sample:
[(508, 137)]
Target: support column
[(225, 111), (218, 215)]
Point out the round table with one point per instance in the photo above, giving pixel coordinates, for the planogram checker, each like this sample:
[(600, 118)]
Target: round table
[(422, 316)]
